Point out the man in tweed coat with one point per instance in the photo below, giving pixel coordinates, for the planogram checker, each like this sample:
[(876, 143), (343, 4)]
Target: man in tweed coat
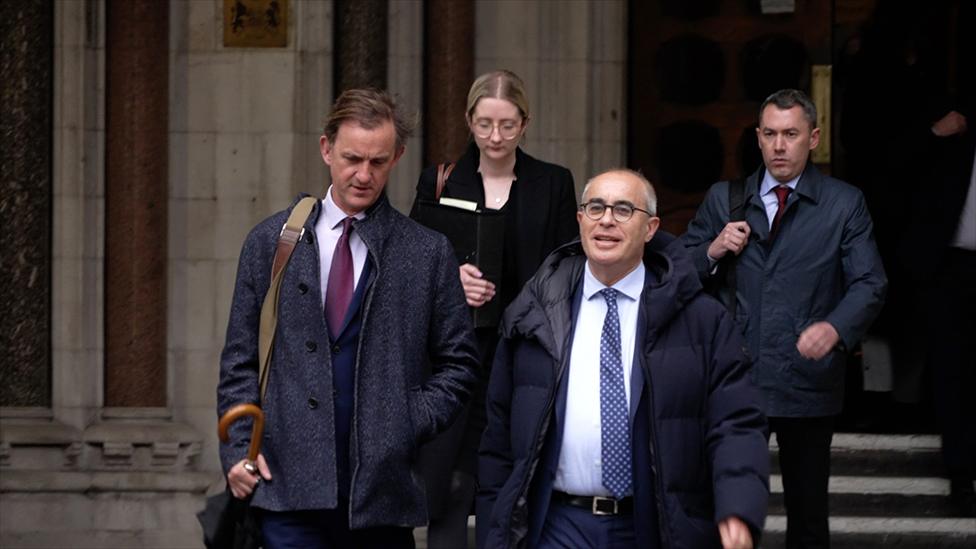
[(350, 397)]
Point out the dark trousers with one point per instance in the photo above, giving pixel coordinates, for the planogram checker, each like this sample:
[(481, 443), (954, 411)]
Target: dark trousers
[(951, 320), (449, 463), (804, 462), (449, 530), (327, 529), (569, 527)]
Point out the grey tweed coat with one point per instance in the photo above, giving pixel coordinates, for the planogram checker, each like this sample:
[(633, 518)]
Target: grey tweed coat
[(416, 367)]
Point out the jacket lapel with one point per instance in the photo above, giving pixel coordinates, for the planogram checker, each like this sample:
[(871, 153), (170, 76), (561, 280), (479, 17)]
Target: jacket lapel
[(755, 208), (465, 182), (530, 195), (636, 374)]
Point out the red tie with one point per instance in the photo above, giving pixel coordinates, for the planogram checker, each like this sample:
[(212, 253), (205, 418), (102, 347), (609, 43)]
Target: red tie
[(339, 291), (782, 193)]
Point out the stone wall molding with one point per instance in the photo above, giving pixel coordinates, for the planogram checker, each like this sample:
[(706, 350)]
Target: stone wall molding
[(31, 444)]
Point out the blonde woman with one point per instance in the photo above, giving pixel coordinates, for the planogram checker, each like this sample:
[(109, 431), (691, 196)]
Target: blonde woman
[(538, 200)]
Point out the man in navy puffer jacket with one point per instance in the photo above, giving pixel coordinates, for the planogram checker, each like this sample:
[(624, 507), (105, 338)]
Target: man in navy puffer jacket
[(694, 469)]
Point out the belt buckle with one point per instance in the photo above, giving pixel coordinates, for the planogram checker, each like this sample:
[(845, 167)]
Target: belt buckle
[(600, 506)]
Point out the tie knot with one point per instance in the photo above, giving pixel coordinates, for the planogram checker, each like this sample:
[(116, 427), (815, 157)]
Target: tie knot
[(610, 294), (782, 192), (347, 224)]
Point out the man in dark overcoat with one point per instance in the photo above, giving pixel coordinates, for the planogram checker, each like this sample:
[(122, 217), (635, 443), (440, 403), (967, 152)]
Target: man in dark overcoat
[(620, 410), (374, 352), (809, 282)]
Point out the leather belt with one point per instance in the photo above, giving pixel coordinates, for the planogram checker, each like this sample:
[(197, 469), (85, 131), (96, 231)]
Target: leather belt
[(598, 505)]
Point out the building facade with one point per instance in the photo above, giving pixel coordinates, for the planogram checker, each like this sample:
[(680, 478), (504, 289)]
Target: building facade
[(138, 152)]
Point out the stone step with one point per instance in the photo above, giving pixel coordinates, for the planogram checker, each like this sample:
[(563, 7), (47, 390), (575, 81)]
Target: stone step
[(884, 491), (849, 532), (856, 454), (878, 496)]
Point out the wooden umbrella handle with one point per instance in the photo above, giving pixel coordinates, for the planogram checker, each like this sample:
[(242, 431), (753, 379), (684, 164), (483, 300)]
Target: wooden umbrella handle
[(238, 412)]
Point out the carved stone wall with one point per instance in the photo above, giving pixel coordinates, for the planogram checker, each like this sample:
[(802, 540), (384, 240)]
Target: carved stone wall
[(572, 58), (243, 128), (74, 473)]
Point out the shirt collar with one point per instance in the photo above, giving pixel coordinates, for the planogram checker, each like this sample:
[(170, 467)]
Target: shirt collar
[(769, 183), (631, 285), (333, 215)]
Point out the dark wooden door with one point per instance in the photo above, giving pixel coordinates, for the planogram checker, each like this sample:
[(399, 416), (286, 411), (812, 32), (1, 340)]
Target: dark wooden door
[(886, 71), (697, 74)]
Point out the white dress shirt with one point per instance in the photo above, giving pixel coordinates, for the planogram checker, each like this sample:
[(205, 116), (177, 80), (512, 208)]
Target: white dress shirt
[(769, 197), (328, 229), (966, 231), (579, 471)]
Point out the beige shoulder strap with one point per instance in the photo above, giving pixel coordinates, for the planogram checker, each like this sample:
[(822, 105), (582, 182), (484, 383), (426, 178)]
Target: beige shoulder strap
[(291, 233)]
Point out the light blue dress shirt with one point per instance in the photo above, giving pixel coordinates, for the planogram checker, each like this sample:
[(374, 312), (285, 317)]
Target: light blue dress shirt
[(769, 197)]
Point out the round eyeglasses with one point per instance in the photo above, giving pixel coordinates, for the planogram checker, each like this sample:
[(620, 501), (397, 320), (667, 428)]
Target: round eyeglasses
[(507, 129), (622, 211)]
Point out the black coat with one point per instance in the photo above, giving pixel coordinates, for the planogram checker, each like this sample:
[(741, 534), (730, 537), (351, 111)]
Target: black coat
[(544, 198), (938, 204), (542, 217), (823, 265), (701, 455)]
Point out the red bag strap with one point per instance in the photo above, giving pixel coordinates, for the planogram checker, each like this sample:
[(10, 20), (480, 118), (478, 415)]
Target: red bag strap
[(443, 172)]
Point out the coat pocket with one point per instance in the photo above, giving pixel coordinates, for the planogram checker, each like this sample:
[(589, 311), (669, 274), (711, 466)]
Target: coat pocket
[(820, 375), (692, 525), (416, 418)]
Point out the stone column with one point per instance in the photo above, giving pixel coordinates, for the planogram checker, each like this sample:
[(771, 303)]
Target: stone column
[(361, 44), (136, 156), (449, 70), (26, 88)]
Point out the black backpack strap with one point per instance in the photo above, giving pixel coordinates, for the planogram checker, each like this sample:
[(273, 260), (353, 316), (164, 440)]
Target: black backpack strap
[(737, 195), (737, 212)]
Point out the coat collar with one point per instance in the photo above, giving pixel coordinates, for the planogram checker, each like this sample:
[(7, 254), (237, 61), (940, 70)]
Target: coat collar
[(542, 309), (811, 183), (466, 170), (373, 229), (809, 186)]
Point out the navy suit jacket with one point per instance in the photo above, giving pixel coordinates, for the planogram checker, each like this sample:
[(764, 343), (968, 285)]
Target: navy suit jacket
[(343, 351)]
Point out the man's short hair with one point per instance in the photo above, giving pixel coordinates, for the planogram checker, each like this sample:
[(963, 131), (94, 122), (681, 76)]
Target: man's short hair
[(369, 108), (789, 98), (650, 197)]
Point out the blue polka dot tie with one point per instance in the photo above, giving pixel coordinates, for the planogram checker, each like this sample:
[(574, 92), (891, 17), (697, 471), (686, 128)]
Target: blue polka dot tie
[(614, 415)]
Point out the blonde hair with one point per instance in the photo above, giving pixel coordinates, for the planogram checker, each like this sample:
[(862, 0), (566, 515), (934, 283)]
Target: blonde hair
[(500, 84)]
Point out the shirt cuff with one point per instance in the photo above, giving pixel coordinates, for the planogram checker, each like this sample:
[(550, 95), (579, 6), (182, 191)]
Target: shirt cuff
[(712, 264)]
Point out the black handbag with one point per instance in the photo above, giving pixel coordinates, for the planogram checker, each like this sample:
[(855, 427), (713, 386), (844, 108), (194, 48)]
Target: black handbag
[(228, 522)]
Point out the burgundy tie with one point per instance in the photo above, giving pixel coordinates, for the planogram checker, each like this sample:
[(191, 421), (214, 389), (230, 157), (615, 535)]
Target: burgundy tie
[(782, 193), (339, 291)]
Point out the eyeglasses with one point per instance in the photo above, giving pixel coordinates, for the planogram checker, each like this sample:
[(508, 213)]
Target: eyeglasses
[(622, 211), (507, 129)]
